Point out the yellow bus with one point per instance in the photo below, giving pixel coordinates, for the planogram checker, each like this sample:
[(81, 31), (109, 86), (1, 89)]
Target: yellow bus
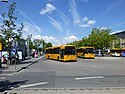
[(63, 53), (86, 52), (117, 51)]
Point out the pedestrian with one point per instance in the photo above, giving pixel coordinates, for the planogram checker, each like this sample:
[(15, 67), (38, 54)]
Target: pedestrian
[(123, 54), (4, 60)]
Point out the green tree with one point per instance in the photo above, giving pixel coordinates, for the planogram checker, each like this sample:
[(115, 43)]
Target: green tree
[(10, 29), (80, 43), (49, 44), (37, 43), (100, 38)]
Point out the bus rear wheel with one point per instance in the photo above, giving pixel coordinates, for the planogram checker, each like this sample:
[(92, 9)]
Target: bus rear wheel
[(58, 58), (48, 57)]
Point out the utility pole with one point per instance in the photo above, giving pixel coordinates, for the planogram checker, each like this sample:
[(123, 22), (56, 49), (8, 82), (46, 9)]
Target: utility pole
[(28, 46), (28, 49), (42, 45)]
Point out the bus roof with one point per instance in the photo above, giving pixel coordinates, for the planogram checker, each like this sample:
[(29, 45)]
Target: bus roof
[(61, 46), (116, 49), (86, 47)]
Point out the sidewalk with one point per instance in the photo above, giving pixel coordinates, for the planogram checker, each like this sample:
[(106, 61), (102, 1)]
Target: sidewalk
[(95, 90), (23, 64), (110, 58)]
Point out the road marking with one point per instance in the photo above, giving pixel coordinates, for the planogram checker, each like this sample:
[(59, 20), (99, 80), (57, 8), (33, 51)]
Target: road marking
[(1, 78), (30, 85), (84, 78), (6, 74)]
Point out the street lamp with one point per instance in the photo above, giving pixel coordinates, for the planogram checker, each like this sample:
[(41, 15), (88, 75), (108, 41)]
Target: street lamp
[(28, 49)]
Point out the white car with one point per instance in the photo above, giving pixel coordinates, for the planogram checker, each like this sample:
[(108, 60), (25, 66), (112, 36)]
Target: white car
[(115, 54)]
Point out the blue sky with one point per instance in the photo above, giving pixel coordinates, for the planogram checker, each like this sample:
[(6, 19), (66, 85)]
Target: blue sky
[(63, 21)]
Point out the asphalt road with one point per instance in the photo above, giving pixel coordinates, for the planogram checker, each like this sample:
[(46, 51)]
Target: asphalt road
[(99, 72)]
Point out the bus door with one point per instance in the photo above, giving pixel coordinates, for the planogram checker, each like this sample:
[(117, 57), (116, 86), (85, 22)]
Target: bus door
[(62, 54)]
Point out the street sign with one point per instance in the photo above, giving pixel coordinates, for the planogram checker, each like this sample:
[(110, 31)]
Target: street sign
[(13, 50), (0, 46)]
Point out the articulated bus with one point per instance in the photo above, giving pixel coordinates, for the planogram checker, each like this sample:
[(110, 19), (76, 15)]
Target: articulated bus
[(86, 52), (63, 53)]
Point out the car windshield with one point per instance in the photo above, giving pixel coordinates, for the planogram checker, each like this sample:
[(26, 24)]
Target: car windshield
[(75, 45)]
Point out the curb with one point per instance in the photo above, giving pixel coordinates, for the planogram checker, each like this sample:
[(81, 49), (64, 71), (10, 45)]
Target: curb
[(21, 68), (29, 64)]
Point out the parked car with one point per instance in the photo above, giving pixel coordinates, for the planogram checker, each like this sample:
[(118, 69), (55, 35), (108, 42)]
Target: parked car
[(98, 53), (115, 54)]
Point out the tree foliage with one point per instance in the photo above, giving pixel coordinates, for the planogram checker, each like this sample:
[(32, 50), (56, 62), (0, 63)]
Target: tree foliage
[(10, 29), (40, 44), (99, 38)]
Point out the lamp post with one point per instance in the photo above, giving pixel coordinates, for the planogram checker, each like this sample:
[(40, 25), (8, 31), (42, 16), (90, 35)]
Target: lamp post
[(28, 48), (43, 46), (14, 44)]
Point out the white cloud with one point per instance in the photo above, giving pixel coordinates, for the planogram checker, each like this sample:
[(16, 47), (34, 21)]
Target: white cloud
[(30, 29), (70, 39), (77, 21), (1, 17), (103, 28), (30, 26), (91, 22), (55, 41), (48, 9), (55, 23), (47, 39), (85, 19), (74, 3), (64, 18), (69, 10), (85, 22), (83, 25), (74, 11)]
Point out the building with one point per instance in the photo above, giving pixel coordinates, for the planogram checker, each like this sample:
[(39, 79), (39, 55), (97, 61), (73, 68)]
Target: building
[(120, 42)]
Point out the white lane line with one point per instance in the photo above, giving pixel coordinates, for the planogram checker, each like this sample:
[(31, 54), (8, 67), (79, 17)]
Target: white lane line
[(6, 74), (1, 78), (30, 85), (84, 78)]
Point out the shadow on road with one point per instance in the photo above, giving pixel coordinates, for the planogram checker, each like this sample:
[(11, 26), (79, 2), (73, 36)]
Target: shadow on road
[(7, 85)]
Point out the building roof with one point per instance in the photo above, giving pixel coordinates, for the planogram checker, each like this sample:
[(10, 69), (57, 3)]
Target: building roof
[(120, 33)]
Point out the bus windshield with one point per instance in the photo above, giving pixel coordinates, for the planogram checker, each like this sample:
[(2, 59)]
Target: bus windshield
[(89, 50), (69, 51)]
